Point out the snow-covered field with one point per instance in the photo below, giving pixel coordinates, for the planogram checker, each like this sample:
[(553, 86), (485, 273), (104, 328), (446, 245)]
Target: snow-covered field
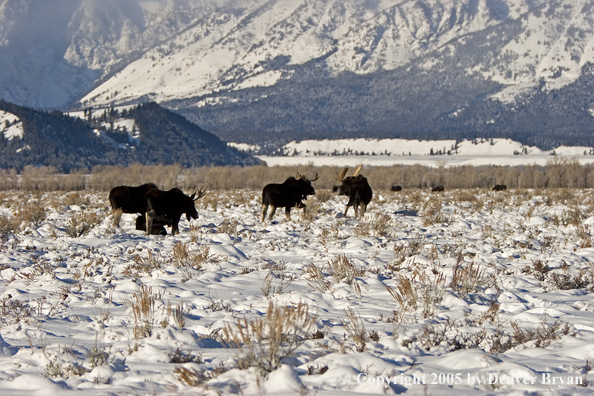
[(456, 293)]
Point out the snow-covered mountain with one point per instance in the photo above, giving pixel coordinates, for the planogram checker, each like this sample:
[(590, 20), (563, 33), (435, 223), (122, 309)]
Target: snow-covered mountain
[(235, 45), (221, 63)]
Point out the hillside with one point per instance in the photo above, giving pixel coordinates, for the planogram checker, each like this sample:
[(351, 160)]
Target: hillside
[(156, 136), (270, 71)]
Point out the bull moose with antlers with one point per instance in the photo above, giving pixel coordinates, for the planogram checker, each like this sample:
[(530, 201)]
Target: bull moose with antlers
[(287, 195), (356, 188), (167, 207)]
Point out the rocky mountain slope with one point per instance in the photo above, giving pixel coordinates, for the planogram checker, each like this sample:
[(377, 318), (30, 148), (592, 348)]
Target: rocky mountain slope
[(276, 69)]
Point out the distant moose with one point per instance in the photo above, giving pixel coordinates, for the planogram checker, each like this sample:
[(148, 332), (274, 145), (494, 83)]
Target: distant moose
[(287, 195), (499, 187), (157, 208), (356, 188), (396, 188), (438, 189)]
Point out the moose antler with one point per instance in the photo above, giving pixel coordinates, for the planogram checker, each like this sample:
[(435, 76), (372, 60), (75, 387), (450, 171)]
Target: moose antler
[(340, 175), (357, 170), (301, 177), (201, 193), (316, 178)]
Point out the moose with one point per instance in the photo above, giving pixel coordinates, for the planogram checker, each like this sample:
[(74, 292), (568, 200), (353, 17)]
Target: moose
[(132, 200), (287, 195), (438, 189), (166, 207), (356, 188), (396, 188), (158, 228), (499, 187)]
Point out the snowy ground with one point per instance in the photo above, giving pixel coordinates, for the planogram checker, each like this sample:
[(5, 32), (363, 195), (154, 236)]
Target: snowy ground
[(434, 153), (456, 293)]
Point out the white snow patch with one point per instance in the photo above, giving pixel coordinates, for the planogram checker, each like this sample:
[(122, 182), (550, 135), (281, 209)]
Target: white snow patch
[(387, 152), (244, 146), (16, 126)]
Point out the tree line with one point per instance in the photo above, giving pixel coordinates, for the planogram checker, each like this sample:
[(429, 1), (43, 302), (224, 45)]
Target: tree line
[(557, 173)]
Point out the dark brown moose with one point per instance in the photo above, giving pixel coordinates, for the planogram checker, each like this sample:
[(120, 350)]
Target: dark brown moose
[(130, 199), (167, 207), (356, 188), (287, 195), (133, 200)]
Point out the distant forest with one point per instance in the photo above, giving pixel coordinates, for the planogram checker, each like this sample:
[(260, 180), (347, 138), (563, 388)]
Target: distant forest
[(57, 140)]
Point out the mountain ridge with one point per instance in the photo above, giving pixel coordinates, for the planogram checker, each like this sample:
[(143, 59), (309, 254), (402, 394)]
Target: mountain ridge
[(156, 136), (216, 62)]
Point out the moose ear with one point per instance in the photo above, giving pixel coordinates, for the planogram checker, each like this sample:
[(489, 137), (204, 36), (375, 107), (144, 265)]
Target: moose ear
[(192, 196)]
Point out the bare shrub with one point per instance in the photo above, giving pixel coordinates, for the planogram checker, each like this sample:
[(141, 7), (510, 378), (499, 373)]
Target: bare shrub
[(14, 311), (583, 279), (377, 224), (355, 329), (7, 225), (142, 264), (469, 280), (316, 278), (573, 217), (264, 342), (179, 316), (77, 198), (191, 376), (32, 214), (269, 291), (97, 356), (449, 335), (228, 227), (143, 307), (81, 224), (434, 214), (538, 269), (404, 251), (404, 294), (179, 356), (343, 270), (185, 256)]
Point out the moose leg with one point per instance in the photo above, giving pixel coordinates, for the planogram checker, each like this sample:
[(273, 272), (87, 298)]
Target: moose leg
[(356, 206), (272, 213), (346, 210), (175, 225), (264, 210), (363, 210), (149, 221), (288, 213)]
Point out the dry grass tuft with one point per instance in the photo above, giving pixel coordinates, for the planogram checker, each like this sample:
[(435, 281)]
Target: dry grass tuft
[(143, 308), (316, 279), (7, 226), (81, 224), (31, 214), (264, 342), (342, 269), (469, 279), (355, 329)]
